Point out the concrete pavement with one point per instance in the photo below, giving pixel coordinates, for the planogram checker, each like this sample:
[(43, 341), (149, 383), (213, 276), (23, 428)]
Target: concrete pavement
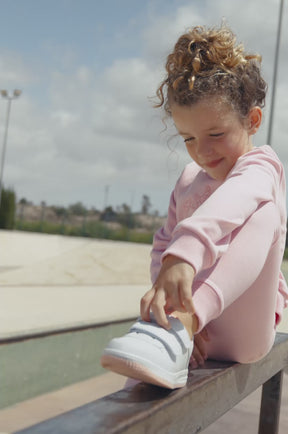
[(26, 311), (51, 282)]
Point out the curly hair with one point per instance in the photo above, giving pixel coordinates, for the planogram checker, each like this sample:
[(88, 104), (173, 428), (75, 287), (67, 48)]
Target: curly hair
[(206, 62)]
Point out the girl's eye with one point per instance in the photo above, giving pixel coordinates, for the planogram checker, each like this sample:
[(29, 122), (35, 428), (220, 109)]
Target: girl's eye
[(217, 135), (188, 139)]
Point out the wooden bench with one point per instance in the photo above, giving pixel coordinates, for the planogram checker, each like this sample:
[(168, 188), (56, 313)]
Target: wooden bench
[(210, 392)]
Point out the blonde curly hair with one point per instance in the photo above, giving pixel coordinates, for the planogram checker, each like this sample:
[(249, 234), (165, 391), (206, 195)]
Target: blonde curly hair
[(206, 62)]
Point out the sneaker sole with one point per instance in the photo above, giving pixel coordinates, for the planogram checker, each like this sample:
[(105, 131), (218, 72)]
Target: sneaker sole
[(132, 369)]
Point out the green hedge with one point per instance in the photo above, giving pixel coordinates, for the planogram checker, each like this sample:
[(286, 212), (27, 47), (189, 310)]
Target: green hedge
[(91, 229), (7, 209)]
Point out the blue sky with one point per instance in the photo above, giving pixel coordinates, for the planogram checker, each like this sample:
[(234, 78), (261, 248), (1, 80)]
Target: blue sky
[(87, 69), (34, 26)]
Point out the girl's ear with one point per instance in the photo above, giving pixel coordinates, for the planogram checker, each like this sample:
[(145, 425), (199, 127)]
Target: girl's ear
[(254, 120)]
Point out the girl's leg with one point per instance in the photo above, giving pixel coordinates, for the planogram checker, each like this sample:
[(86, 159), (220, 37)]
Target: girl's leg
[(246, 278)]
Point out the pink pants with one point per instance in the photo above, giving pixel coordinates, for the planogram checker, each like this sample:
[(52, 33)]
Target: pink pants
[(247, 276)]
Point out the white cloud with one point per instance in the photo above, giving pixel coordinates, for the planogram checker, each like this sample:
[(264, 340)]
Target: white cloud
[(14, 70), (164, 30)]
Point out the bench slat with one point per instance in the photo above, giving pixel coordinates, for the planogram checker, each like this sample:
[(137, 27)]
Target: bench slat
[(144, 409)]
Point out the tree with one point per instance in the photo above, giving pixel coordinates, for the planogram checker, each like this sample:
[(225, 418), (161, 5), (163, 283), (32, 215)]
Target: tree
[(78, 209), (60, 211), (146, 204), (7, 209), (23, 201), (108, 215), (125, 216)]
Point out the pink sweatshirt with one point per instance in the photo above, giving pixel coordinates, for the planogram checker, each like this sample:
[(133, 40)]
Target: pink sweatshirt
[(203, 213)]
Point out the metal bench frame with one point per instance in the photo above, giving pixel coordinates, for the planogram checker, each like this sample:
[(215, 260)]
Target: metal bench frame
[(210, 392)]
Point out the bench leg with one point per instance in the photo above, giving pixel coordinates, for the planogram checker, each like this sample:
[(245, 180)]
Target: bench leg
[(270, 405)]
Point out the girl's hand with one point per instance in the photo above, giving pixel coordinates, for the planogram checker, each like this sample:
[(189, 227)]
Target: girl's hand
[(199, 354), (170, 292)]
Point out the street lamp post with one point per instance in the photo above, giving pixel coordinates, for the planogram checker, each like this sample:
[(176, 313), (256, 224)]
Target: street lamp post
[(275, 74), (9, 98)]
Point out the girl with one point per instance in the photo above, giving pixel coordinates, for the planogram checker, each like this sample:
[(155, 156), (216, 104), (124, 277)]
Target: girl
[(218, 291)]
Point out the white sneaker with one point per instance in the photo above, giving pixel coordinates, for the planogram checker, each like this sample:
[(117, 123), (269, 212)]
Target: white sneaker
[(151, 354)]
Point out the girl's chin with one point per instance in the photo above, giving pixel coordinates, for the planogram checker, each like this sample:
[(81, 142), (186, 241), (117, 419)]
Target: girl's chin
[(217, 174)]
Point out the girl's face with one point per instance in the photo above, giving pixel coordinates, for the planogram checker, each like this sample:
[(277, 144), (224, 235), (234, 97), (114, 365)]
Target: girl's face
[(214, 134)]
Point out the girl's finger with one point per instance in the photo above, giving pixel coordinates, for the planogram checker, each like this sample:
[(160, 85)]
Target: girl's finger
[(145, 304), (193, 364), (198, 356), (173, 300), (158, 308), (185, 296)]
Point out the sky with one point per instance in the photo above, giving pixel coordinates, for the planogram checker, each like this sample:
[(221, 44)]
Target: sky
[(84, 128)]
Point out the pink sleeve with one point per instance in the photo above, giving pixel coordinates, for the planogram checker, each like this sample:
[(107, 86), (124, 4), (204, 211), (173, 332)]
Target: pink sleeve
[(282, 298), (162, 238), (204, 236)]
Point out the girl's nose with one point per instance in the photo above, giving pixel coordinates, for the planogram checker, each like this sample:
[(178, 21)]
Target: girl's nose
[(204, 148)]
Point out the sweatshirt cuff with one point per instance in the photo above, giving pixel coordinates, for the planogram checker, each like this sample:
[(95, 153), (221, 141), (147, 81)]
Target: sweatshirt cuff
[(208, 302), (200, 257)]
